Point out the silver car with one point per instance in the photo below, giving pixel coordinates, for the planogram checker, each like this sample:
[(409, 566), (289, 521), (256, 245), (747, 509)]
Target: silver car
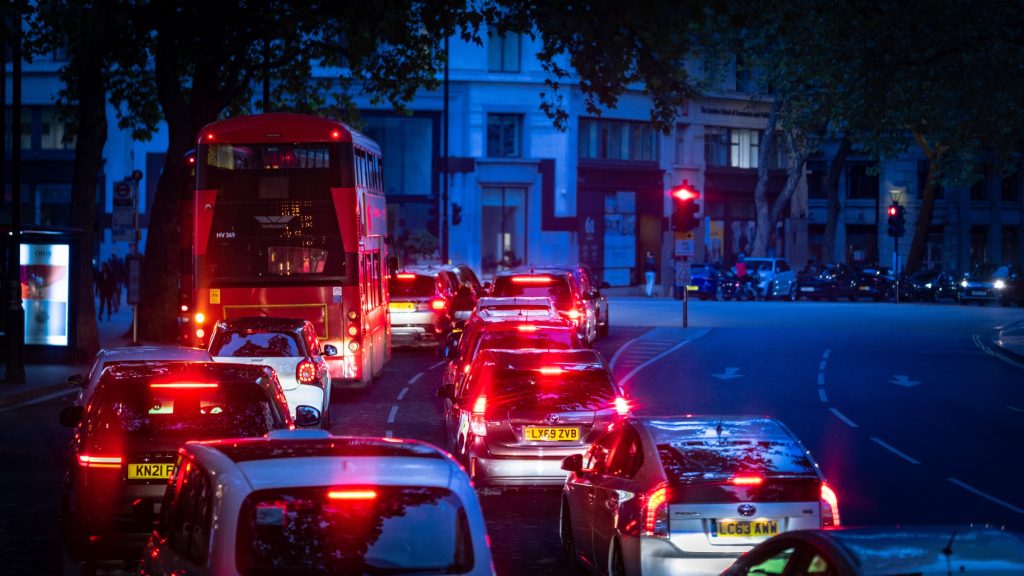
[(688, 495), (420, 306), (517, 413)]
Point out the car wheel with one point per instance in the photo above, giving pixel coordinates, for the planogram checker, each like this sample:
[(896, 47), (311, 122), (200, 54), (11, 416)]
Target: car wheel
[(569, 550), (616, 563), (602, 330)]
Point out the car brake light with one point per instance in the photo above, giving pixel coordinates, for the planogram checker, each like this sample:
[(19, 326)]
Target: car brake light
[(477, 424), (185, 385), (438, 304), (404, 276), (532, 280), (551, 370), (527, 328), (100, 461), (352, 494), (747, 480), (622, 406), (829, 507), (574, 314), (656, 512), (306, 372)]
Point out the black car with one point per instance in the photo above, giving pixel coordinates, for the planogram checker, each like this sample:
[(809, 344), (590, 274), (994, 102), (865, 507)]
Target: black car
[(875, 283), (933, 286), (829, 282)]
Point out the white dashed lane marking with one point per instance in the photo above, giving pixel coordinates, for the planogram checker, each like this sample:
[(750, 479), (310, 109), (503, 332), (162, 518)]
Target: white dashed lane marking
[(821, 378), (826, 354), (388, 433), (842, 417), (392, 414), (439, 364), (403, 393), (890, 448), (821, 395), (974, 490), (416, 377)]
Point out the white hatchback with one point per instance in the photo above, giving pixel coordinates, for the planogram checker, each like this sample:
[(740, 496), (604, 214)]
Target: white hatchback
[(306, 502), (289, 346)]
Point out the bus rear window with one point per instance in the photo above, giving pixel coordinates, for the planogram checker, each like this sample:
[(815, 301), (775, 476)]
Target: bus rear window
[(195, 413), (353, 530)]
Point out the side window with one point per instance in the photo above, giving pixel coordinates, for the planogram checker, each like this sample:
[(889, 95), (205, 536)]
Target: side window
[(776, 564), (783, 266), (188, 529), (311, 341), (597, 457), (628, 455), (168, 507)]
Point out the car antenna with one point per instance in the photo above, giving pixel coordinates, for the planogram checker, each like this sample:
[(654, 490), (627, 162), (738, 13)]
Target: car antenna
[(718, 429), (948, 553)]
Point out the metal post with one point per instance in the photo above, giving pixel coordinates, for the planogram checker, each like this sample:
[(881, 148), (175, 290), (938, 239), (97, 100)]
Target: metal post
[(686, 295), (15, 327), (135, 254), (896, 267), (444, 162)]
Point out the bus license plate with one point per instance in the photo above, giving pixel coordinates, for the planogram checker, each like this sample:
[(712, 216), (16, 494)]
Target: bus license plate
[(150, 471), (402, 307), (552, 434), (745, 529)]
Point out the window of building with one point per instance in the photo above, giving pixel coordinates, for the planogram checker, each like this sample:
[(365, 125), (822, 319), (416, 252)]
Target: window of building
[(26, 128), (861, 180), (1010, 244), (407, 147), (503, 226), (777, 152), (1009, 188), (503, 135), (716, 146), (681, 144), (979, 245), (746, 80), (502, 51), (744, 146), (922, 179), (53, 131), (817, 179), (617, 140), (979, 190)]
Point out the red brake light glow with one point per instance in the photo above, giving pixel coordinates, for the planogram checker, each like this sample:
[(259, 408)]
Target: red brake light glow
[(551, 370), (621, 406), (480, 406), (352, 494), (99, 461), (829, 507), (532, 280), (405, 276), (335, 134), (574, 314), (438, 304), (527, 328), (305, 372), (747, 480), (656, 512), (477, 424), (185, 385)]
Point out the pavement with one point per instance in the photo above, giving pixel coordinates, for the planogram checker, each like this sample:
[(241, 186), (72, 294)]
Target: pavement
[(44, 381)]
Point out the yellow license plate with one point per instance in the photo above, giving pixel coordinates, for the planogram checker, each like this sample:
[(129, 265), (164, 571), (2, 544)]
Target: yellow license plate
[(552, 434), (865, 288), (403, 307), (746, 529), (150, 471)]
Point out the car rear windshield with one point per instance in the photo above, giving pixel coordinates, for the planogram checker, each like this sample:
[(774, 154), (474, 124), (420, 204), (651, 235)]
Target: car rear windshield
[(223, 411), (544, 339), (353, 530), (416, 287), (528, 390), (557, 290), (695, 460), (254, 344)]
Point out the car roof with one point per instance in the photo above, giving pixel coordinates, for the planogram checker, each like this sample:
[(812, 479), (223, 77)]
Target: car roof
[(529, 359), (222, 373), (556, 272), (489, 301), (428, 270), (146, 353), (264, 323), (670, 429), (288, 459), (508, 323), (490, 316), (918, 549)]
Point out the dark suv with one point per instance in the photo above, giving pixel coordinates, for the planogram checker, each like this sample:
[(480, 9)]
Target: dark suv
[(562, 287), (518, 413)]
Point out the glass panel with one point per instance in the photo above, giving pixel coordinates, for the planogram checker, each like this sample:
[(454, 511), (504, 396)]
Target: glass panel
[(510, 53), (494, 51), (503, 225), (619, 238), (52, 131), (254, 344)]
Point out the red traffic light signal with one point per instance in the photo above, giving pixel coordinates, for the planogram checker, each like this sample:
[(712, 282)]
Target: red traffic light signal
[(684, 207), (893, 210), (684, 193)]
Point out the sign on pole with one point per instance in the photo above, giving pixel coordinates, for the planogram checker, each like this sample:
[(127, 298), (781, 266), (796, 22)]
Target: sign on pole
[(684, 244), (122, 215)]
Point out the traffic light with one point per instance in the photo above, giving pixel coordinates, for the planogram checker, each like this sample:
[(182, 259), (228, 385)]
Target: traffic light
[(456, 214), (897, 220), (684, 207)]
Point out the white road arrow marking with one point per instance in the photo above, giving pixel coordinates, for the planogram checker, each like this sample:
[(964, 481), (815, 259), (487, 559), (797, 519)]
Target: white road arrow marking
[(903, 380), (729, 373)]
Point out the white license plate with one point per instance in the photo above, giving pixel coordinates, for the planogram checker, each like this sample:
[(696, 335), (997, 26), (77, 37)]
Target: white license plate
[(807, 289), (978, 293)]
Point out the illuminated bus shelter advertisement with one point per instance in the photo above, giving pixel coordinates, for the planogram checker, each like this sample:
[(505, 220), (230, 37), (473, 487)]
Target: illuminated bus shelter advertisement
[(44, 292)]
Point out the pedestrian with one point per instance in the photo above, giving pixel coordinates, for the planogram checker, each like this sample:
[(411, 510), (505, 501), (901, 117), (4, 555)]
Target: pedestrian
[(120, 276), (650, 271), (105, 285)]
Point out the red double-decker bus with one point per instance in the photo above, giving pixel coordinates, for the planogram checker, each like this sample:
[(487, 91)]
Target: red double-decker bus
[(288, 219)]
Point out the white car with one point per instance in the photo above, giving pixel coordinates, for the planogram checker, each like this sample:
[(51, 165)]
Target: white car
[(306, 502), (289, 346), (131, 354), (776, 278)]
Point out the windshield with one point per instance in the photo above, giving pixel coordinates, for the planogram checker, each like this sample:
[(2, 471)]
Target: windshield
[(557, 290), (542, 338), (708, 460), (193, 413), (528, 390), (381, 530), (990, 271), (411, 286), (274, 216), (252, 344)]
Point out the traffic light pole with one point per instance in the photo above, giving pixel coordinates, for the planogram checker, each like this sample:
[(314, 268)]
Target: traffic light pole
[(896, 268), (686, 295)]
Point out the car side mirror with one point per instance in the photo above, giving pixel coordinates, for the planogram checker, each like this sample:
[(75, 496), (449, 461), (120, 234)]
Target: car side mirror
[(446, 391), (306, 416), (330, 350), (75, 381), (71, 416), (573, 463)]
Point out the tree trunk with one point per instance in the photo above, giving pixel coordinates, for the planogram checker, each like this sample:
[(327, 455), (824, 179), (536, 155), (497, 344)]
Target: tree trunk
[(91, 117), (764, 224), (835, 170), (922, 228), (796, 159)]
